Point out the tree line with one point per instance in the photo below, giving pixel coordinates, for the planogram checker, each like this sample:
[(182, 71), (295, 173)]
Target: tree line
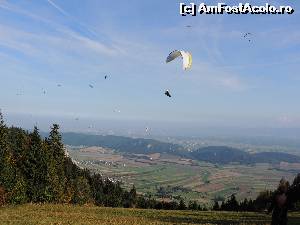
[(37, 170)]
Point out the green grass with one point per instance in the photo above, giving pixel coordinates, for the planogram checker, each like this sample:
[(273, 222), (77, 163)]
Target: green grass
[(91, 215)]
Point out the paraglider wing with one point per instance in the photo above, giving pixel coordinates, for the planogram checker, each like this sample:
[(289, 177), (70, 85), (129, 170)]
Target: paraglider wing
[(186, 58), (173, 55)]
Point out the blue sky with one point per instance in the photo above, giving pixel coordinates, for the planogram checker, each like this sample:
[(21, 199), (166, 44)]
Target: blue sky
[(75, 43)]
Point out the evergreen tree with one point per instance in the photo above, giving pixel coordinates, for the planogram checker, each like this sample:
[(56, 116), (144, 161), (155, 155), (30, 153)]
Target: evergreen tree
[(2, 196), (182, 205), (97, 185), (36, 168), (216, 206), (263, 200), (193, 205), (18, 192), (132, 196), (82, 192), (56, 165), (6, 159)]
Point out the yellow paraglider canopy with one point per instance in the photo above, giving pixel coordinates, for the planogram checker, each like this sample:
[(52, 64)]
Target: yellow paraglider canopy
[(186, 58)]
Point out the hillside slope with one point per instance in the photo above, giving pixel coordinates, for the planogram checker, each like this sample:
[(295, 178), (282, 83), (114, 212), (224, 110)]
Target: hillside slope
[(225, 155), (122, 144)]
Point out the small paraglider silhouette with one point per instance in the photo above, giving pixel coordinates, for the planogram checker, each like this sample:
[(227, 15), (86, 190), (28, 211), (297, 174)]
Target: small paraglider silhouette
[(147, 129), (44, 92), (246, 36), (105, 77), (59, 85), (76, 118), (91, 86), (188, 26), (167, 93)]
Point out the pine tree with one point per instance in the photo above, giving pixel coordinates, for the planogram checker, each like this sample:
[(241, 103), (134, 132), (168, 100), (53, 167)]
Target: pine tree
[(3, 150), (7, 162), (56, 156), (182, 205), (216, 206), (37, 168), (132, 196), (232, 204), (82, 192), (18, 193), (193, 205)]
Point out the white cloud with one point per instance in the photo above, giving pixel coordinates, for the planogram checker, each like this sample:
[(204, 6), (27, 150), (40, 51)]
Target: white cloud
[(58, 8)]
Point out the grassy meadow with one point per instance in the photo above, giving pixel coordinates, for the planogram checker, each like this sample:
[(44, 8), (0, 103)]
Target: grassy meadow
[(90, 215)]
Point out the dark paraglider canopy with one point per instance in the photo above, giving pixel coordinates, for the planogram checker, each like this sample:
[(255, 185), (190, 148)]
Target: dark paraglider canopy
[(167, 93)]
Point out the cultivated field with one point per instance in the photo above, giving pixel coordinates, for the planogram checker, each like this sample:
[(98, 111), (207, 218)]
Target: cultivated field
[(192, 180), (91, 215)]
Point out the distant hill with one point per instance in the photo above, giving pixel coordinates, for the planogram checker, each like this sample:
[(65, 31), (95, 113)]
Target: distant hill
[(225, 155), (212, 154), (122, 144), (222, 155), (276, 157)]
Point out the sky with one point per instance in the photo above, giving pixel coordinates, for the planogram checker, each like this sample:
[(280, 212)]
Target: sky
[(52, 50)]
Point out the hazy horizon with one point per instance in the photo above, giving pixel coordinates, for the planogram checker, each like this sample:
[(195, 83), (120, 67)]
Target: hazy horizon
[(146, 128)]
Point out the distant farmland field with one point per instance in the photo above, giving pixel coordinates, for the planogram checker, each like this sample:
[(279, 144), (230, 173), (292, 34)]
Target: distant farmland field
[(190, 179), (91, 215)]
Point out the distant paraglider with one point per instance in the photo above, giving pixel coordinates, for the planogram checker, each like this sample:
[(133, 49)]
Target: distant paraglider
[(247, 36), (167, 93), (105, 77), (91, 86), (186, 58)]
